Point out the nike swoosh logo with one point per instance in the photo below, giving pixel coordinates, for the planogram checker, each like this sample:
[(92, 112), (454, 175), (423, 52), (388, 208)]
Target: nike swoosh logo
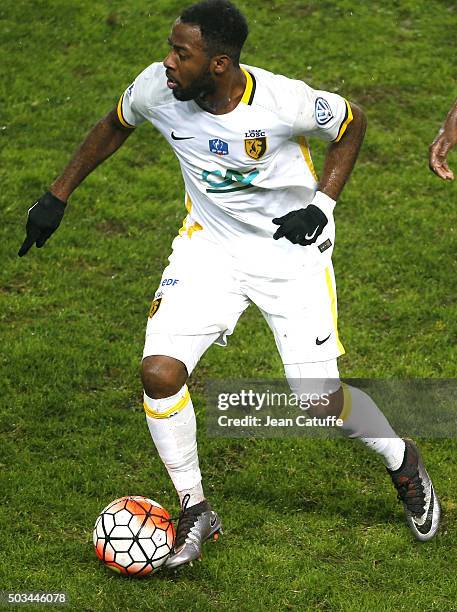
[(310, 237), (319, 342), (425, 528), (173, 135)]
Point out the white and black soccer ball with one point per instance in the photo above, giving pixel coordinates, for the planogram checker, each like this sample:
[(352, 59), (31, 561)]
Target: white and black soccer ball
[(133, 535)]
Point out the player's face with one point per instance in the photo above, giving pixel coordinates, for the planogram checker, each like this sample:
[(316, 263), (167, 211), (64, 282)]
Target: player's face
[(188, 66)]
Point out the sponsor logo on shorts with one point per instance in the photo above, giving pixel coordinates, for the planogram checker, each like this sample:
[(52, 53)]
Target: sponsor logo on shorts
[(322, 111), (169, 281), (319, 342), (218, 146), (154, 307)]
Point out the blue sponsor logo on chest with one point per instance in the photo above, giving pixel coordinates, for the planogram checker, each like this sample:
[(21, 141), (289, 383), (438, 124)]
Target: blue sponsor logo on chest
[(218, 146)]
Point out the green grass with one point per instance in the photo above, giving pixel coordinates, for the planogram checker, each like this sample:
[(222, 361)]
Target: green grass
[(309, 524)]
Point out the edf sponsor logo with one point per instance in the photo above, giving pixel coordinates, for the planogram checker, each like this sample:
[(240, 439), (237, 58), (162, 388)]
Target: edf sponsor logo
[(169, 281)]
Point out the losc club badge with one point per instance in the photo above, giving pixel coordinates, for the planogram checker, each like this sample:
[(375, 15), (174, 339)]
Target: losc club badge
[(255, 143), (154, 307), (255, 147)]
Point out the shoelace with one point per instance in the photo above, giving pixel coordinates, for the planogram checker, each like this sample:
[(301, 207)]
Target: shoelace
[(186, 520), (415, 503)]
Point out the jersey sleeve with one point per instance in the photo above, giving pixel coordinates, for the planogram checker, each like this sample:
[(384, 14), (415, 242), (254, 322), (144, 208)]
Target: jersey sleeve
[(320, 113), (137, 101)]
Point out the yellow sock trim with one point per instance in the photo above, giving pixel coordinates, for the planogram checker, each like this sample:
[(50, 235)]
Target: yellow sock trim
[(180, 404), (347, 403)]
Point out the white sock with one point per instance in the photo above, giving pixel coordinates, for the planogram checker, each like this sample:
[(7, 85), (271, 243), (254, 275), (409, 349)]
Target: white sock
[(171, 422), (363, 420), (195, 495)]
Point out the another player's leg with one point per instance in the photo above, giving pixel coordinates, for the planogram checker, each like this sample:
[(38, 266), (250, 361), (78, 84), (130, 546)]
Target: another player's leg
[(171, 421)]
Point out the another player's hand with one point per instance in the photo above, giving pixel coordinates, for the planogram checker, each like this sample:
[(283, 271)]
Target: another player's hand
[(43, 219), (437, 159), (303, 226)]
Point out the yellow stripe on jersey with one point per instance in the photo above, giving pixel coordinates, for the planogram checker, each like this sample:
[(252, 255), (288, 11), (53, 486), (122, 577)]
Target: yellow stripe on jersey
[(176, 408), (182, 229), (120, 115), (332, 296), (195, 227), (346, 121), (249, 91), (307, 155)]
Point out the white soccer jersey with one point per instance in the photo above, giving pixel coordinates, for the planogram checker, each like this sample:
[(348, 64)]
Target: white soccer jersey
[(246, 167)]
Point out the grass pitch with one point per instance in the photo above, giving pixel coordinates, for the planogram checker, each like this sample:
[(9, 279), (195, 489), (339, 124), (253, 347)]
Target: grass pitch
[(310, 525)]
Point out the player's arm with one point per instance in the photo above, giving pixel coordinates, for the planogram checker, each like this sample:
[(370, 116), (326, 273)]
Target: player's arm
[(46, 214), (443, 143), (103, 140), (342, 155), (305, 225)]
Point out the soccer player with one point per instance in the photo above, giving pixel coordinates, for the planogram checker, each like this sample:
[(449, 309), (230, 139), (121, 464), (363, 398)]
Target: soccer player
[(443, 143), (259, 227)]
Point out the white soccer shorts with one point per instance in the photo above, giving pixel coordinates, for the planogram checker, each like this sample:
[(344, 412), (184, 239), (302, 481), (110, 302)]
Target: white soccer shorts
[(204, 290)]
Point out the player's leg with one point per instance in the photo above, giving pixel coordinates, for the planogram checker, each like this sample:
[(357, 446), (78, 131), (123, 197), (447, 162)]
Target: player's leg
[(307, 338), (363, 420), (170, 417), (361, 417), (171, 421), (197, 303)]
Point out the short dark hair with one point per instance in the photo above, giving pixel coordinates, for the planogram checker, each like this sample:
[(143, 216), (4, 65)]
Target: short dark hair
[(223, 27)]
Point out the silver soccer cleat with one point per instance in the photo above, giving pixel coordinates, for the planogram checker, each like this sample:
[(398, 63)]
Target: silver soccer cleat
[(416, 491), (195, 525)]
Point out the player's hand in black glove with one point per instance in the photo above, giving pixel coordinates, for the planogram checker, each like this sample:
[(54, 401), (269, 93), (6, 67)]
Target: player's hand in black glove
[(43, 219), (303, 226)]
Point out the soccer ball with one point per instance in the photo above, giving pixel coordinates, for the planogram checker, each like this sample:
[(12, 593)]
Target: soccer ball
[(133, 535)]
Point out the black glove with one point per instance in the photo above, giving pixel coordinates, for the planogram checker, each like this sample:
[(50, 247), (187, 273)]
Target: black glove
[(303, 226), (43, 219)]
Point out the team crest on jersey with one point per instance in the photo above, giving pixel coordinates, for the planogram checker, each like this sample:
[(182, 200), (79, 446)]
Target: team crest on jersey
[(154, 307), (218, 146), (255, 147), (255, 143), (322, 111)]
